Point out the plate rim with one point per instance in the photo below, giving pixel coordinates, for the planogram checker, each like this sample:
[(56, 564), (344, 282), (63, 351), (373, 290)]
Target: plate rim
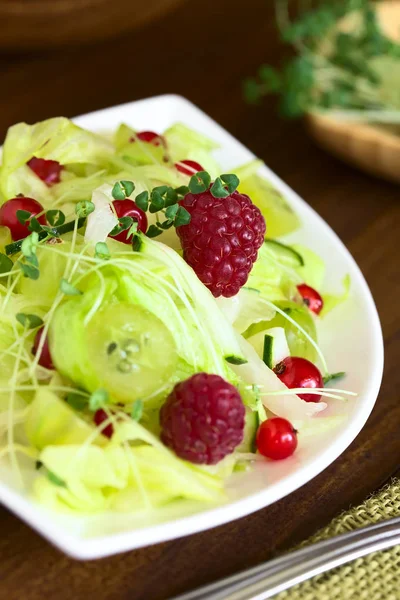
[(113, 543)]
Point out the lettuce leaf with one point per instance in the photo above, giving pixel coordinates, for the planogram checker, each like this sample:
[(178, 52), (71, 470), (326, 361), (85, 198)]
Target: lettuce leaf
[(121, 478), (55, 139), (313, 271), (277, 212), (331, 301), (184, 143)]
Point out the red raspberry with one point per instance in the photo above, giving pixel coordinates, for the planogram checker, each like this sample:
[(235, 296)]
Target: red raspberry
[(202, 419), (222, 239)]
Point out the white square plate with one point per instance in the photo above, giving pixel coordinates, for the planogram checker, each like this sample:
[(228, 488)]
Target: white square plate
[(350, 337)]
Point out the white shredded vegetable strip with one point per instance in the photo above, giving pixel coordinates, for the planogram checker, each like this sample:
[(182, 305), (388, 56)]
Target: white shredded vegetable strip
[(102, 220), (289, 406)]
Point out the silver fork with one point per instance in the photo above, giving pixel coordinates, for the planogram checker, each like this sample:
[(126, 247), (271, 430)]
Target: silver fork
[(270, 578)]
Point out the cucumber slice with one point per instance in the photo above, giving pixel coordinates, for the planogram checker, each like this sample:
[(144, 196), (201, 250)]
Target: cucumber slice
[(271, 345), (267, 350), (285, 254), (250, 431)]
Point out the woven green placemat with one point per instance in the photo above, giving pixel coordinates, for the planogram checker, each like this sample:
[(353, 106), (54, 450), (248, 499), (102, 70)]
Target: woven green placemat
[(374, 577)]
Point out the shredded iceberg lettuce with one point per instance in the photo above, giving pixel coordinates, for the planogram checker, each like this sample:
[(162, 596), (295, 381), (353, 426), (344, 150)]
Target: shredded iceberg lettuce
[(124, 324)]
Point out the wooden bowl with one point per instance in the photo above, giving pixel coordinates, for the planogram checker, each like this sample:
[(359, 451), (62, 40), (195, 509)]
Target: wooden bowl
[(42, 24), (373, 149)]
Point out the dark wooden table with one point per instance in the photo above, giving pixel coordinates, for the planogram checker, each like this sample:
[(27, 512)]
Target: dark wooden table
[(203, 51)]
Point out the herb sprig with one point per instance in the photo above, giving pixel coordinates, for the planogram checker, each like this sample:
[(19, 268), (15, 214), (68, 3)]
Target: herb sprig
[(165, 200), (44, 232), (333, 69)]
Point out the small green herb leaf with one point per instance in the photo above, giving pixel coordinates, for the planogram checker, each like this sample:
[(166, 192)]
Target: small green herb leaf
[(231, 181), (182, 217), (133, 229), (235, 360), (137, 410), (170, 197), (29, 271), (218, 190), (38, 465), (127, 186), (136, 243), (76, 401), (161, 189), (199, 182), (171, 211), (142, 201), (153, 231), (333, 377), (102, 251), (68, 289), (35, 226), (165, 225), (55, 479), (84, 208), (98, 399), (123, 224), (182, 190), (55, 217), (15, 247), (6, 264), (157, 202), (33, 260), (29, 244), (118, 193), (23, 216), (122, 189), (29, 321)]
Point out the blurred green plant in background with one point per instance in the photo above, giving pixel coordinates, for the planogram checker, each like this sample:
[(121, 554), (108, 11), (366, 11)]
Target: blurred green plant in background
[(343, 62)]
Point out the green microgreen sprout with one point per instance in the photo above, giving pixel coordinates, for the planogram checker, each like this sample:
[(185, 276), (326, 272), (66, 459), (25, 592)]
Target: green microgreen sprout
[(55, 218), (6, 264), (34, 225), (76, 401), (166, 200), (23, 216), (333, 69), (98, 399), (102, 251), (199, 182), (142, 200), (84, 209), (68, 289), (30, 267), (122, 189), (124, 223), (333, 377), (29, 321), (43, 233), (30, 244), (137, 410)]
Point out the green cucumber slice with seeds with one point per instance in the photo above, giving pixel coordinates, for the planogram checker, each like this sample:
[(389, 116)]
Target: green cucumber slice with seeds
[(285, 254), (250, 431)]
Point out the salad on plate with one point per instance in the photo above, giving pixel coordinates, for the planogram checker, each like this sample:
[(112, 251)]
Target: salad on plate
[(157, 337)]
